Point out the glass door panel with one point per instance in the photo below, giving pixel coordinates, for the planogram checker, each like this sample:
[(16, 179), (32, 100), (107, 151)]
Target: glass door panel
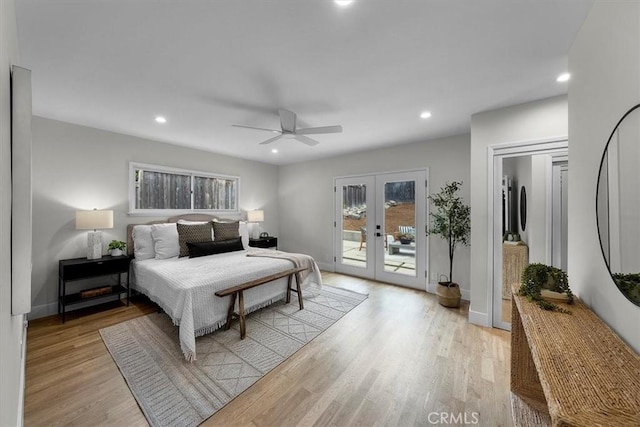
[(401, 215), (400, 227), (353, 228)]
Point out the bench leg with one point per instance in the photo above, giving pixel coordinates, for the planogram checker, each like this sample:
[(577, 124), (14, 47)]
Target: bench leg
[(299, 289), (227, 326), (243, 327), (288, 300)]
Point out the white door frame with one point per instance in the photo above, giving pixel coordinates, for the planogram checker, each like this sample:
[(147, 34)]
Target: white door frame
[(495, 154), (422, 243), (560, 165)]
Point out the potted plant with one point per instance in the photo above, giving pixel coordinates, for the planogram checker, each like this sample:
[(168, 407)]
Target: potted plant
[(117, 247), (546, 285), (452, 222), (406, 238)]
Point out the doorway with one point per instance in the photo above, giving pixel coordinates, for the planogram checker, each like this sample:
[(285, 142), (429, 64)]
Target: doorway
[(536, 213), (379, 227)]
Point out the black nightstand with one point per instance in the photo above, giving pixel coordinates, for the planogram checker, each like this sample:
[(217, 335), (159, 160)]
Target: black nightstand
[(82, 268), (270, 242)]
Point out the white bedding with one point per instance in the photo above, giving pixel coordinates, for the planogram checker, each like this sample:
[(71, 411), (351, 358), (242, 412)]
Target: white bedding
[(185, 288)]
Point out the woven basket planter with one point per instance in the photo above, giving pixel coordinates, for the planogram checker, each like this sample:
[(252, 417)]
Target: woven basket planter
[(448, 294)]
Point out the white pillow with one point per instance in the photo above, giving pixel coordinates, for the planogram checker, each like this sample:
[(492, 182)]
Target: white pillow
[(244, 233), (186, 221), (143, 242), (165, 240)]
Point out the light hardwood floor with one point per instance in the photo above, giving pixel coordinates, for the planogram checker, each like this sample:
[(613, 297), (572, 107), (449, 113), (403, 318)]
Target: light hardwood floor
[(398, 359)]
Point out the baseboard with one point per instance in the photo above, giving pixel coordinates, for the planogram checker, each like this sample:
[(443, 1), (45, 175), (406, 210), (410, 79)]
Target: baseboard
[(477, 318), (44, 310), (326, 267)]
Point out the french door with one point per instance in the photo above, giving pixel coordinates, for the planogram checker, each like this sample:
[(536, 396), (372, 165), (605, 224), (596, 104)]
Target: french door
[(380, 227)]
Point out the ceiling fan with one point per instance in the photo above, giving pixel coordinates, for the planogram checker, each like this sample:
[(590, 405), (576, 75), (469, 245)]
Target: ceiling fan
[(288, 129)]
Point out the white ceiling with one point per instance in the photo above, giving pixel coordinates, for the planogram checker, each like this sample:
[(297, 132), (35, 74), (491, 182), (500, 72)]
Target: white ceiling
[(371, 67)]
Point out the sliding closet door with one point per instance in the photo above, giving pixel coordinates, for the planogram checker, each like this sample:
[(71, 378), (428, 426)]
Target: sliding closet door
[(354, 226)]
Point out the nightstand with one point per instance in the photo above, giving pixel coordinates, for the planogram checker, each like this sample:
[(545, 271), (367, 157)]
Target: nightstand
[(270, 242), (81, 268)]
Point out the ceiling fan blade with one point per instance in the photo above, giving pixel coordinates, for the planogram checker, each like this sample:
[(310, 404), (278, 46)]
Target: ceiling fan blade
[(270, 140), (306, 140), (322, 129), (287, 120), (253, 127)]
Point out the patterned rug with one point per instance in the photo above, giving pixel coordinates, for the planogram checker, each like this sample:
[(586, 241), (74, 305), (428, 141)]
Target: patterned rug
[(174, 392)]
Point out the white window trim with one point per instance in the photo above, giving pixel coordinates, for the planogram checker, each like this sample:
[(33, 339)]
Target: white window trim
[(164, 212)]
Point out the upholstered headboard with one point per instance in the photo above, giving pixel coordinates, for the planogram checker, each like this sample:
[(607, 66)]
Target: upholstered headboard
[(187, 217)]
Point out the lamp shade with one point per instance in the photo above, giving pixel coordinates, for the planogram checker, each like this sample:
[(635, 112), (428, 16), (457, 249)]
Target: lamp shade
[(94, 220), (255, 216)]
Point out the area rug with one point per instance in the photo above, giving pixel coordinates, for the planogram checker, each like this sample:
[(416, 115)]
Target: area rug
[(174, 392)]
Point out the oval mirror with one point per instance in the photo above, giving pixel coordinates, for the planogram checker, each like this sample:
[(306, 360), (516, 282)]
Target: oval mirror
[(523, 208), (618, 204)]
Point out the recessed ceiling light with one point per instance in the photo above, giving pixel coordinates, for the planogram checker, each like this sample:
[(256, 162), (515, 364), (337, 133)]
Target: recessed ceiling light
[(160, 119), (425, 114), (274, 151), (563, 77), (343, 3)]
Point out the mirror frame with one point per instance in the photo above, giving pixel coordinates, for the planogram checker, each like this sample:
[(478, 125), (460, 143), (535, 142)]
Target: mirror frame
[(523, 208), (607, 262)]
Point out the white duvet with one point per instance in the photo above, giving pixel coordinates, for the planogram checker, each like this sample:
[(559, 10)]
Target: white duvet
[(185, 288)]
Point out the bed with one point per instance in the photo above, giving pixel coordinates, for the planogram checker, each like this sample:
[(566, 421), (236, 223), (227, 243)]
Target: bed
[(184, 287)]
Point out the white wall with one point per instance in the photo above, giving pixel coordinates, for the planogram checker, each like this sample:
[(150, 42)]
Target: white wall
[(544, 119), (605, 65), (11, 362), (307, 198), (77, 167)]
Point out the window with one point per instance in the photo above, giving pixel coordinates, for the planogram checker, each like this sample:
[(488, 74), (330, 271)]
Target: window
[(160, 190)]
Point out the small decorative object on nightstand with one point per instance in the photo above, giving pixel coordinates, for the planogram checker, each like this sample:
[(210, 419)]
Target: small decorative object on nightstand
[(82, 268), (269, 242)]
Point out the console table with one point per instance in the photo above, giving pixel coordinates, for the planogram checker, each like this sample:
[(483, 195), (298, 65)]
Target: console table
[(571, 367)]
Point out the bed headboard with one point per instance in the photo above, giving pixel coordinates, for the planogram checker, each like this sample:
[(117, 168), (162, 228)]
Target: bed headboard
[(186, 217)]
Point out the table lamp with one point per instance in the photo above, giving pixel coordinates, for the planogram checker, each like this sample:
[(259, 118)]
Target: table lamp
[(256, 216), (94, 220)]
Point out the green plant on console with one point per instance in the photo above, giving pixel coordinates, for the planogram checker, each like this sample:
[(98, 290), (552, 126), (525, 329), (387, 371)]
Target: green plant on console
[(629, 284), (537, 277), (117, 244)]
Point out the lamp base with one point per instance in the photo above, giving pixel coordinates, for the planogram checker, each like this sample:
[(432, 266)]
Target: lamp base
[(94, 245)]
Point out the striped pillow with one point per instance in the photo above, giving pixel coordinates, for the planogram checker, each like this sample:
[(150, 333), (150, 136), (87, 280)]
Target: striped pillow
[(192, 233)]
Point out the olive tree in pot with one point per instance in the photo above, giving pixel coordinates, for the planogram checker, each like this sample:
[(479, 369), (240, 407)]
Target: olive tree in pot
[(452, 222)]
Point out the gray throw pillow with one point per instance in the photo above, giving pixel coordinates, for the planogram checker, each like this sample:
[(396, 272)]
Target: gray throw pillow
[(226, 230), (192, 233)]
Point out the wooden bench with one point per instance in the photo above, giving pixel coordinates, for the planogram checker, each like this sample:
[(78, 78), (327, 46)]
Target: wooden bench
[(237, 291), (571, 368)]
